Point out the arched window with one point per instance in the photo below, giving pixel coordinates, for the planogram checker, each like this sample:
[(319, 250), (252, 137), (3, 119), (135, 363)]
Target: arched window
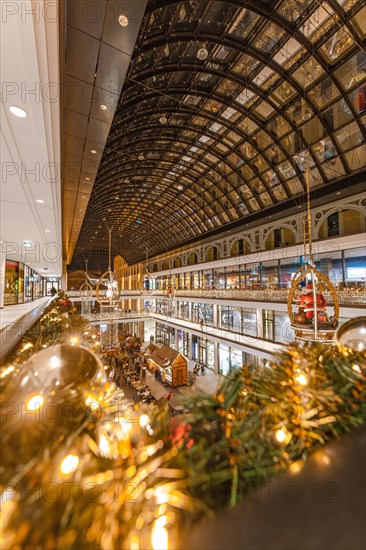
[(192, 258), (212, 254), (239, 248), (345, 222), (155, 268), (279, 238), (177, 262), (165, 265)]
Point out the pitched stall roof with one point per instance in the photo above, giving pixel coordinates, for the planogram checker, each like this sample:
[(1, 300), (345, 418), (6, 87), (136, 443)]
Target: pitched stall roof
[(162, 352)]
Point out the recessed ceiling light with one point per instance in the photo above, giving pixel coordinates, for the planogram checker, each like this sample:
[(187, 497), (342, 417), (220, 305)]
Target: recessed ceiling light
[(17, 111), (40, 201), (104, 107), (87, 179), (123, 20), (141, 157), (93, 151), (47, 231), (338, 193), (27, 244), (202, 53), (163, 119), (83, 197), (269, 217), (180, 187)]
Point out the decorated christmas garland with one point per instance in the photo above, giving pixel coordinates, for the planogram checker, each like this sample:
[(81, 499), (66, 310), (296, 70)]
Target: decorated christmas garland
[(83, 468)]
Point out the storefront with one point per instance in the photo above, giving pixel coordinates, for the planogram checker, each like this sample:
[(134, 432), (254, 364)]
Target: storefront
[(165, 335), (276, 326), (49, 283), (33, 285), (230, 359), (237, 319), (183, 310), (183, 342), (202, 313), (14, 283)]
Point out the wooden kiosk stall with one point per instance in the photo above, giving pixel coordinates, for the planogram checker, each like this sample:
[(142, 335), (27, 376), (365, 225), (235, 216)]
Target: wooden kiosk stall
[(171, 364)]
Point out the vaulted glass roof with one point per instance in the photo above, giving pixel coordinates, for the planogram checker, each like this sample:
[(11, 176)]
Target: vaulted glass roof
[(225, 106)]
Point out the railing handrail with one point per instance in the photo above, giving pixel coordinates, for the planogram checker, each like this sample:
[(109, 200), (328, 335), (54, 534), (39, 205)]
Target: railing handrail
[(263, 295), (12, 334)]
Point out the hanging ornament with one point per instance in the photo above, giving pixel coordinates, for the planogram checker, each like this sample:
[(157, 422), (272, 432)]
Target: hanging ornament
[(107, 291), (353, 334)]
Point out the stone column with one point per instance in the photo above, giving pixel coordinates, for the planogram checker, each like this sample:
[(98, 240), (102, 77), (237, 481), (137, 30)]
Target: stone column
[(259, 312), (2, 275), (216, 357)]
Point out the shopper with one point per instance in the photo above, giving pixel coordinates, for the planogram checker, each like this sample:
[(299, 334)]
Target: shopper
[(53, 291), (203, 370)]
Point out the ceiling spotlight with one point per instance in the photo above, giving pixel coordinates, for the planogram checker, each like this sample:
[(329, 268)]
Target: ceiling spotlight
[(180, 187), (47, 231), (141, 157), (104, 107), (93, 151), (17, 111), (87, 179), (202, 53), (307, 114), (40, 201), (123, 20), (163, 119)]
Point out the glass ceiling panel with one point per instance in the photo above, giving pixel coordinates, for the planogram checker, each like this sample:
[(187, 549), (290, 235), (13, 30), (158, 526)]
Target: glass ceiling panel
[(292, 11), (269, 38), (273, 108)]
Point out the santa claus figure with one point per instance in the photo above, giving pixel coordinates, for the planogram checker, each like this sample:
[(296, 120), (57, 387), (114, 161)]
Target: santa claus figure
[(307, 303)]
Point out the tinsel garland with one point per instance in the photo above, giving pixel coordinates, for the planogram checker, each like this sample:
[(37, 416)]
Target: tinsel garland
[(114, 475), (60, 322)]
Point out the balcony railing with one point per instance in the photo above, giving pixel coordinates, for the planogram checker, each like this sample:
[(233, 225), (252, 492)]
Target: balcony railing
[(345, 297)]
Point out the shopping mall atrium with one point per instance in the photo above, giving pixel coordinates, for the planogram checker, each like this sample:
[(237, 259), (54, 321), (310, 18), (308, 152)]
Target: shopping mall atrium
[(183, 274)]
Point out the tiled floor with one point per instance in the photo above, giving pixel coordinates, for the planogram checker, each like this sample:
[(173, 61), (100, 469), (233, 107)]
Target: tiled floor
[(207, 384)]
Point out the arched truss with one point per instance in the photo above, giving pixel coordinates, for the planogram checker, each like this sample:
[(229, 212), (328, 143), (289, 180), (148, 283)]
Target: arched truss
[(240, 124)]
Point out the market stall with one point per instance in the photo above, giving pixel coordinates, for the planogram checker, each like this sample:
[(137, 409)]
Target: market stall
[(171, 365)]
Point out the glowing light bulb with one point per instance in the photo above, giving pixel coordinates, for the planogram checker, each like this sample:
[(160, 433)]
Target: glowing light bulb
[(280, 436), (35, 403), (159, 534), (69, 464), (301, 379), (135, 543), (73, 340), (7, 371), (27, 346), (283, 436), (55, 361), (356, 368), (296, 467), (144, 420)]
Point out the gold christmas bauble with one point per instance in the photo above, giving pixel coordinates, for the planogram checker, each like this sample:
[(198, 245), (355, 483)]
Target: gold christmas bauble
[(60, 366), (353, 334)]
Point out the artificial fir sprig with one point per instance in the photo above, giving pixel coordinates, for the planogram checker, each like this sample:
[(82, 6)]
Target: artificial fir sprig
[(149, 470)]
